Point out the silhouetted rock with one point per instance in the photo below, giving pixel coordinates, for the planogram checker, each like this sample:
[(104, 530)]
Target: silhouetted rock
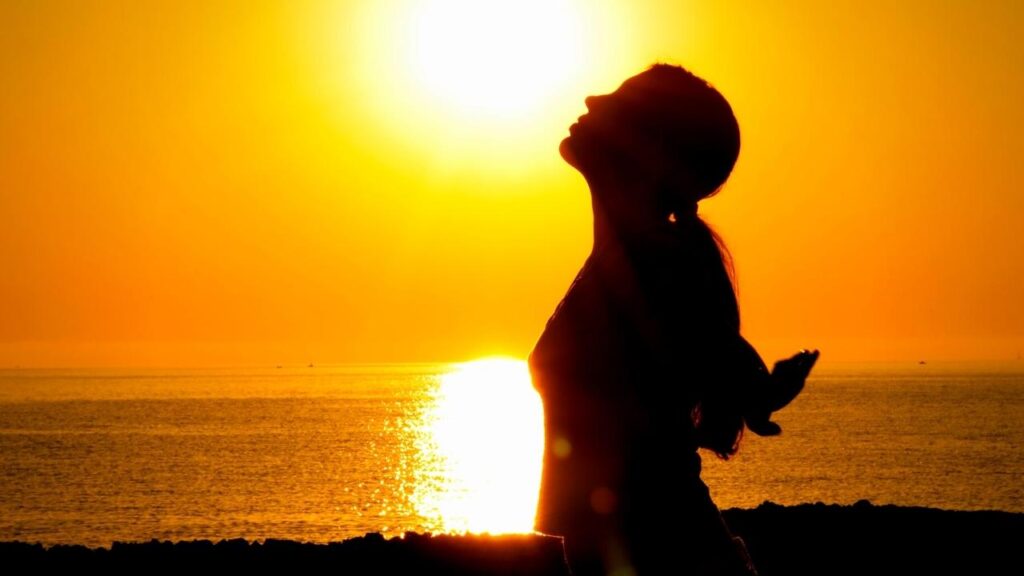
[(868, 539), (783, 540), (371, 554)]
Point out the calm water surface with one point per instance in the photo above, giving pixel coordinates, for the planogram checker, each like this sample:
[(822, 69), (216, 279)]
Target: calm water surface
[(328, 453)]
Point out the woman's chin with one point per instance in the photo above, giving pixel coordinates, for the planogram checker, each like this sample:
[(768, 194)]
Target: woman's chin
[(567, 152)]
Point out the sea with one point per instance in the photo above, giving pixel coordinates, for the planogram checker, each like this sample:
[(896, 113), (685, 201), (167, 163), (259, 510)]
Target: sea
[(325, 453)]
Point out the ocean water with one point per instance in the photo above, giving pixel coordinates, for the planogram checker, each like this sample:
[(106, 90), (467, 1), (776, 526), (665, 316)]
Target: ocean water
[(327, 453)]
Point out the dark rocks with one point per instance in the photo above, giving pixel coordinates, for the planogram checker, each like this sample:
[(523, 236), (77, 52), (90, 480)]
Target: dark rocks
[(783, 540), (868, 539), (506, 555)]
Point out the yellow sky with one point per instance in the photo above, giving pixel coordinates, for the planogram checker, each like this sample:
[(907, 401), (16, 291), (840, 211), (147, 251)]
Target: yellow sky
[(193, 183)]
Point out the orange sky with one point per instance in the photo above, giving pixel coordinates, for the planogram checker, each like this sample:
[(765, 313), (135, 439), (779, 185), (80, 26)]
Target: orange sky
[(196, 183)]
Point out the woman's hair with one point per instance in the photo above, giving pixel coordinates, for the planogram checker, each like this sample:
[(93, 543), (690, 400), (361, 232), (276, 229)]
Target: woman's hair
[(713, 325), (695, 125)]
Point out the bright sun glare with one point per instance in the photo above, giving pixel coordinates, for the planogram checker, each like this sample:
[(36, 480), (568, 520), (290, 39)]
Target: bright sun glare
[(487, 429), (484, 86), (494, 57)]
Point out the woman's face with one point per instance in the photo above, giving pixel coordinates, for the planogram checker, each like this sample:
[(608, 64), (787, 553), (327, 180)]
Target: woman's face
[(615, 138)]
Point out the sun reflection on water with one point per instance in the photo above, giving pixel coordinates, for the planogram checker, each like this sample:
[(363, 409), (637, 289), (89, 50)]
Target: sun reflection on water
[(482, 444)]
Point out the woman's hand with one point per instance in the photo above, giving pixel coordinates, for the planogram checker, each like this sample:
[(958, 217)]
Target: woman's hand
[(788, 377), (786, 381)]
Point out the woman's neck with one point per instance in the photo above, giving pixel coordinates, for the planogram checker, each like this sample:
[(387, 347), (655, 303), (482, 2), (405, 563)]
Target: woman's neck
[(629, 223), (605, 235)]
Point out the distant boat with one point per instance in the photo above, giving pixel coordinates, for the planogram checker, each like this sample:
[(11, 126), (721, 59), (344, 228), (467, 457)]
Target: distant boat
[(310, 364), (921, 362)]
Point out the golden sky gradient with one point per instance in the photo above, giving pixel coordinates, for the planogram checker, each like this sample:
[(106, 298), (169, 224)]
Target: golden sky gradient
[(197, 183)]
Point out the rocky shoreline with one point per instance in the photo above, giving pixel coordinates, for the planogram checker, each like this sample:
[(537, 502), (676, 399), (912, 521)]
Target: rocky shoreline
[(783, 540)]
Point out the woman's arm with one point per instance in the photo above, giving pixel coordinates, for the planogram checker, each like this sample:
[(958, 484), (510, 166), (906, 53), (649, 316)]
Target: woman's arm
[(766, 392)]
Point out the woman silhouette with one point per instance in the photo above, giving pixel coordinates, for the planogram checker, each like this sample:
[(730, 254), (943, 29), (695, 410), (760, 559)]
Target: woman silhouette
[(643, 362)]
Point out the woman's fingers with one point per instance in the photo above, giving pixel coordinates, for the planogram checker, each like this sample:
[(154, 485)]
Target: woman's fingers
[(803, 361), (809, 360), (789, 376)]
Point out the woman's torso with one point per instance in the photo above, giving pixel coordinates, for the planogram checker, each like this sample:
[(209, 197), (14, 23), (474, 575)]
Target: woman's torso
[(617, 414)]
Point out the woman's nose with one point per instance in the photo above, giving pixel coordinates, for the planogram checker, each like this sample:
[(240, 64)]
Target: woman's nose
[(598, 101)]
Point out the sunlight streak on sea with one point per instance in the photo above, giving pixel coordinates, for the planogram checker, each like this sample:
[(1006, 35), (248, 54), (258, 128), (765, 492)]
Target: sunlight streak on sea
[(482, 443)]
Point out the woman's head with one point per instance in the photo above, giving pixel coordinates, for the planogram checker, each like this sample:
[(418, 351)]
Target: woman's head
[(664, 128)]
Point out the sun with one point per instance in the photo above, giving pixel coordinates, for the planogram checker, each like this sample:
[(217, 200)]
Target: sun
[(494, 57), (454, 88)]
